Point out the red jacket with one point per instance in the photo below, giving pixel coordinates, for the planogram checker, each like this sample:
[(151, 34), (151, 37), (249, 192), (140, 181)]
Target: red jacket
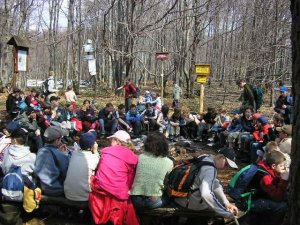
[(105, 208), (129, 90), (265, 131), (272, 184)]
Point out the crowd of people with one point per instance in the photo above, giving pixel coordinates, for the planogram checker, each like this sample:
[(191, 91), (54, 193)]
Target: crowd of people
[(40, 132)]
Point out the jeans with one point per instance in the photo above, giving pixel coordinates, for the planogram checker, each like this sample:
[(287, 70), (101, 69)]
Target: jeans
[(201, 128), (108, 125), (141, 201), (269, 206), (254, 146), (244, 140)]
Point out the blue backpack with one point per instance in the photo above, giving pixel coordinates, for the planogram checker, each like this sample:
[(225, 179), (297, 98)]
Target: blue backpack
[(13, 185), (245, 184)]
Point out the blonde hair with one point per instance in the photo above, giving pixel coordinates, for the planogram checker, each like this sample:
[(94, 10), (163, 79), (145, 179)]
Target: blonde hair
[(185, 111), (129, 145), (272, 146)]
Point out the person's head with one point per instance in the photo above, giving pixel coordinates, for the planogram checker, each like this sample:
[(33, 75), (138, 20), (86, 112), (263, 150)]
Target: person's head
[(54, 134), (127, 81), (121, 108), (70, 87), (51, 73), (147, 93), (223, 111), (22, 94), (156, 144), (132, 108), (278, 120), (122, 138), (225, 156), (154, 95), (19, 136), (271, 146), (109, 107), (69, 107), (88, 140), (211, 110), (240, 82), (86, 103), (177, 113), (276, 160), (248, 111), (283, 91), (33, 92), (54, 101), (285, 131), (165, 110), (149, 107), (185, 111)]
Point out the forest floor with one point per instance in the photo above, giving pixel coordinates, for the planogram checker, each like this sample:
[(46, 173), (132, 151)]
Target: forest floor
[(214, 97)]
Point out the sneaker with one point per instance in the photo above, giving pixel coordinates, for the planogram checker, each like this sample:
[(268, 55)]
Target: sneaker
[(198, 140), (210, 139)]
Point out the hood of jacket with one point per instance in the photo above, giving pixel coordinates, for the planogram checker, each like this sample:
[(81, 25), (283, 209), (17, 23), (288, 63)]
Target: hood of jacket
[(17, 152), (122, 153)]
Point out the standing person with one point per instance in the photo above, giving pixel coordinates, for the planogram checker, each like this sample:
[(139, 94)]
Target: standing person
[(130, 92), (109, 199), (71, 97), (208, 192), (248, 96), (52, 162), (177, 91), (49, 87), (153, 166)]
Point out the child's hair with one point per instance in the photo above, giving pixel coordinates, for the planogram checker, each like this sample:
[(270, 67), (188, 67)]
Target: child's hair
[(271, 146), (185, 111), (165, 110), (157, 144), (85, 101), (121, 106), (129, 145), (279, 118), (275, 157), (70, 87), (132, 106)]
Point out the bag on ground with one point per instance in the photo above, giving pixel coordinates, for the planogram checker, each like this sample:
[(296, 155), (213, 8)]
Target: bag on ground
[(13, 185)]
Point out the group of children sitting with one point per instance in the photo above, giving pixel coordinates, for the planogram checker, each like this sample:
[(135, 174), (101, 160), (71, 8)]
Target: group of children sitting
[(35, 140)]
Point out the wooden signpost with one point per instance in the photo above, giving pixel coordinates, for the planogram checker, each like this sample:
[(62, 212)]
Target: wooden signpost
[(162, 56), (20, 54), (202, 71)]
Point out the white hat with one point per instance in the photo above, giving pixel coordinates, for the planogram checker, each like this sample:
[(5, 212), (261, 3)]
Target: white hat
[(121, 135)]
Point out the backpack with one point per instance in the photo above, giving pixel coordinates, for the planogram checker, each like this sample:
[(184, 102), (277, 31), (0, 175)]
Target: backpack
[(245, 183), (45, 87), (258, 95), (13, 185), (182, 177)]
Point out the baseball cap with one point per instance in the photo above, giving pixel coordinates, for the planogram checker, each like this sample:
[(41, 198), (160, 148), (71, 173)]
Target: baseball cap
[(230, 156), (283, 88), (121, 135), (54, 98), (285, 128), (88, 139), (19, 133), (55, 132), (147, 92)]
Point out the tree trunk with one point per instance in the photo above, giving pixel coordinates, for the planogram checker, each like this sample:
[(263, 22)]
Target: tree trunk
[(294, 201)]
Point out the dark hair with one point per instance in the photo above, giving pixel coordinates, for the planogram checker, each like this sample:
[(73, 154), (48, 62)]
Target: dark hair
[(278, 117), (177, 113), (246, 108), (157, 144), (121, 106), (132, 106), (20, 135), (33, 90), (109, 104), (85, 101), (275, 157), (148, 104), (69, 88), (165, 110)]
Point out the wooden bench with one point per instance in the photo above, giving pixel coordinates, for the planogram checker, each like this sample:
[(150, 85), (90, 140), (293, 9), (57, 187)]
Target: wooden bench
[(171, 211)]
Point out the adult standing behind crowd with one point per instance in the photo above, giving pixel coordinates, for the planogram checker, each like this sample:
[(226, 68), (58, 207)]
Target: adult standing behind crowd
[(50, 87), (130, 91), (247, 97)]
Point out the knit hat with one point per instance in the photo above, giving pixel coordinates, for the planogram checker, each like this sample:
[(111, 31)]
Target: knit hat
[(263, 120), (121, 135), (230, 156), (88, 139), (54, 132)]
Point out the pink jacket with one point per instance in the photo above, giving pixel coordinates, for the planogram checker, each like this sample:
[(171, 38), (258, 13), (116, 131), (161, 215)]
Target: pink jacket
[(116, 171)]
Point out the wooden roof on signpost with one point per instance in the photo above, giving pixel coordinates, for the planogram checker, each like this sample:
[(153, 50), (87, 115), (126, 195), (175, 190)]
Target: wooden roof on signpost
[(19, 42)]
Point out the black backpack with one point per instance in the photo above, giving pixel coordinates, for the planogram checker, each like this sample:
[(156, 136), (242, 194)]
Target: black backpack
[(182, 177)]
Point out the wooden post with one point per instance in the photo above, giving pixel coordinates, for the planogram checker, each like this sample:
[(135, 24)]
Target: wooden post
[(162, 82), (201, 99)]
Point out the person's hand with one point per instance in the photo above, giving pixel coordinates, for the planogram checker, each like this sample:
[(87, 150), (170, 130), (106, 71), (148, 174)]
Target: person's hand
[(63, 147), (284, 106), (37, 132), (232, 208), (285, 175), (146, 122)]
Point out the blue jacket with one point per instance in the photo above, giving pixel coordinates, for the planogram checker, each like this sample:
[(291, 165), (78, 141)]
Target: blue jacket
[(51, 167), (235, 126), (133, 117)]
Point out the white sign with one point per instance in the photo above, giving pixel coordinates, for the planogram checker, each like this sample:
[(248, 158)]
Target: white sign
[(22, 60), (92, 67)]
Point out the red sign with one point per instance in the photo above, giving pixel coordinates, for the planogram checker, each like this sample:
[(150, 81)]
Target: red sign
[(162, 56)]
